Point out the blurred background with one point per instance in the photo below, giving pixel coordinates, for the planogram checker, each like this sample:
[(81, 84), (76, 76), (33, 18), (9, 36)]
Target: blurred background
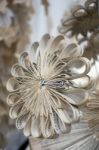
[(21, 23)]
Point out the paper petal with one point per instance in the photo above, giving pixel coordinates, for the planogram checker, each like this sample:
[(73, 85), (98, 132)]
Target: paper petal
[(77, 96), (35, 127), (15, 110), (12, 85), (22, 120), (12, 99)]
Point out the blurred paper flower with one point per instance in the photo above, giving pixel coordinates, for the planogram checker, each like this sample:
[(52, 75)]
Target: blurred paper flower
[(15, 23), (83, 23), (23, 11), (48, 85), (81, 20)]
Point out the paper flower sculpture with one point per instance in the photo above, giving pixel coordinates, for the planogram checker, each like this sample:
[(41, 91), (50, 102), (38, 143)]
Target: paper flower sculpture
[(83, 24), (82, 21), (48, 84)]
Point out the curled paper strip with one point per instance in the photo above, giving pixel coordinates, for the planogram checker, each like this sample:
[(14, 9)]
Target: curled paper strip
[(45, 90)]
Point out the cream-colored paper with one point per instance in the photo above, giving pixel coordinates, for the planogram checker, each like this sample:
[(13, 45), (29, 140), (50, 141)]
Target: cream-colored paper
[(45, 92)]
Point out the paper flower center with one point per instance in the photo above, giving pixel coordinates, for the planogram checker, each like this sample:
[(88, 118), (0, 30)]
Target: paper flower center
[(42, 84), (56, 84)]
